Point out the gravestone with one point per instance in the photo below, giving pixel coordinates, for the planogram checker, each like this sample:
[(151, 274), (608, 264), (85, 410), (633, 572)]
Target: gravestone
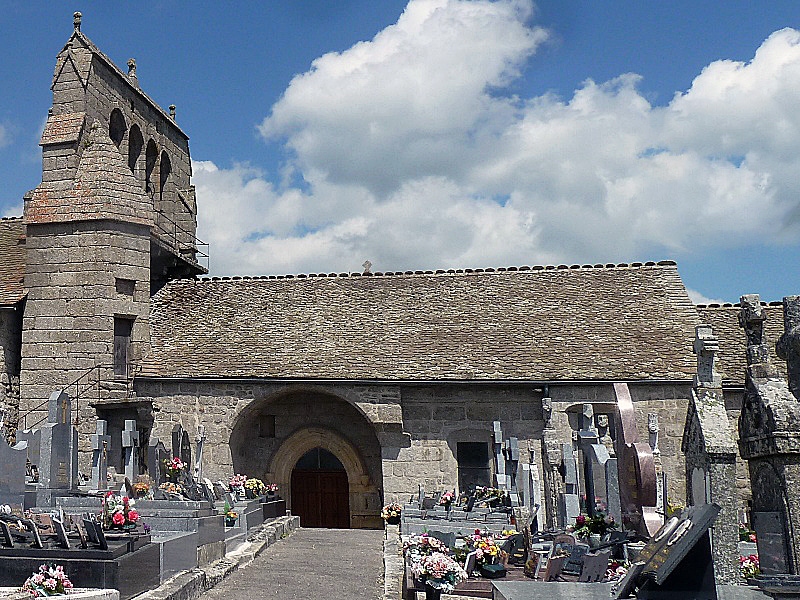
[(574, 564), (33, 437), (594, 568), (101, 443), (677, 561), (181, 446), (637, 475), (12, 471), (5, 535), (130, 446), (157, 454), (710, 456), (769, 439), (61, 533), (58, 454), (502, 479), (569, 505)]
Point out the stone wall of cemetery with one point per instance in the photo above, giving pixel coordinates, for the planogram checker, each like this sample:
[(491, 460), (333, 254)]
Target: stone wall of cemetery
[(10, 339)]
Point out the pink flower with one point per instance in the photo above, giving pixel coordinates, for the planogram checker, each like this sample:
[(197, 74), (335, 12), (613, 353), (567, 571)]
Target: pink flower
[(580, 520), (133, 516), (118, 519), (753, 537)]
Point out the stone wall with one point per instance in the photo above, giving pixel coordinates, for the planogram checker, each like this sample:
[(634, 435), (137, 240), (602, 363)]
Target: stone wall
[(10, 340), (68, 327)]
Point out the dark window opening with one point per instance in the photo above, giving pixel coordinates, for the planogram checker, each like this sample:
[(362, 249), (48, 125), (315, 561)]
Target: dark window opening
[(117, 127), (319, 459), (122, 345), (266, 426), (135, 145), (125, 286), (473, 465), (151, 157)]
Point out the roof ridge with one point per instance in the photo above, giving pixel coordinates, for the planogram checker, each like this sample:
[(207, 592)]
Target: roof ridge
[(463, 271), (20, 218), (717, 305)]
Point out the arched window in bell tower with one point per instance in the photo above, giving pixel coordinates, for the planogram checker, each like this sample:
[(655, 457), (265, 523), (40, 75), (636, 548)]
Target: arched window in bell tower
[(164, 171), (135, 145), (117, 127), (150, 159)]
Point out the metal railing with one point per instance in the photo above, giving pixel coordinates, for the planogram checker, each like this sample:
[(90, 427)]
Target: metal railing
[(173, 233), (86, 385)]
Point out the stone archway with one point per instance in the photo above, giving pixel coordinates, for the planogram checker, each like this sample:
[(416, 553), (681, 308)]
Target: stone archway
[(361, 489)]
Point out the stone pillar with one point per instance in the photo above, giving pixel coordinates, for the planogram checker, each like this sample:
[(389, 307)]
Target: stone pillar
[(769, 439), (710, 454), (551, 463), (788, 346)]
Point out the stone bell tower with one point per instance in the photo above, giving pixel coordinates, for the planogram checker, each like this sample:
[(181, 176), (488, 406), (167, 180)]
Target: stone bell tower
[(113, 219)]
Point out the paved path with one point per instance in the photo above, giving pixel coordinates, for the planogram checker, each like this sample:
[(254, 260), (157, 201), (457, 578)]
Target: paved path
[(330, 564)]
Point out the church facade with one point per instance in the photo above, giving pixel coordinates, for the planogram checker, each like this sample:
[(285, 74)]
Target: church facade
[(353, 388)]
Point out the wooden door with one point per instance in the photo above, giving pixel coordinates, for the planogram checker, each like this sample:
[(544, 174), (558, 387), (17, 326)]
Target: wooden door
[(321, 498), (122, 345)]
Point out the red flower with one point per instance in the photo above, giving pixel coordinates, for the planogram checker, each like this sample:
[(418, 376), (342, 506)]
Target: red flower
[(118, 519), (133, 516), (580, 520), (109, 494)]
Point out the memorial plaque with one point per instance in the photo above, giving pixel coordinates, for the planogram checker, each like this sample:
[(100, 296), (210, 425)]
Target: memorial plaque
[(470, 562), (101, 536), (44, 522), (5, 532), (771, 540), (81, 533), (34, 529), (91, 532), (61, 533), (554, 566), (574, 564), (594, 567)]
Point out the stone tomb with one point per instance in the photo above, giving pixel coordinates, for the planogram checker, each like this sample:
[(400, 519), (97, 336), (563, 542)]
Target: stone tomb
[(12, 472)]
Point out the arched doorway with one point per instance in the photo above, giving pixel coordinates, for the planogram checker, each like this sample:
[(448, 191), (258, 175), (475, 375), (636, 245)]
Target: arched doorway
[(320, 490)]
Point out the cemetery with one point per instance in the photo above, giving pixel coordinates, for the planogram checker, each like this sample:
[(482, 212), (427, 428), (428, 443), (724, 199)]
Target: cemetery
[(126, 532), (629, 541)]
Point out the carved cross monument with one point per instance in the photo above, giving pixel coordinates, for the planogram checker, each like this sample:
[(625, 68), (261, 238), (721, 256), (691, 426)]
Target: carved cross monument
[(130, 445), (101, 443)]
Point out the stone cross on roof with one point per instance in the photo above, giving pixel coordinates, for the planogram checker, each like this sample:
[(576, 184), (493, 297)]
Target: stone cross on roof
[(706, 346), (76, 20), (788, 346)]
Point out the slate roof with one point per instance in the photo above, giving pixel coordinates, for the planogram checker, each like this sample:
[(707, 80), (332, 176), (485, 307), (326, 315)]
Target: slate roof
[(556, 323), (103, 188), (63, 128), (731, 358), (12, 261), (81, 54)]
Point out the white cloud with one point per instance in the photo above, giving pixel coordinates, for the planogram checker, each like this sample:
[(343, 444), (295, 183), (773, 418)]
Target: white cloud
[(415, 157), (698, 298)]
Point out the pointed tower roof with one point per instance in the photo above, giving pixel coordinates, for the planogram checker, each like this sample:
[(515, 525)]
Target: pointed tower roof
[(103, 188)]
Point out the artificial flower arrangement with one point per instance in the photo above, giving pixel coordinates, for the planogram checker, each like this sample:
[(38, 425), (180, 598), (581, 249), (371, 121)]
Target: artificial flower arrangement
[(616, 570), (230, 515), (237, 482), (438, 571), (141, 489), (118, 512), (49, 580), (447, 499), (271, 488), (749, 567), (489, 493), (599, 524), (255, 487), (174, 466), (423, 545), (487, 552), (391, 511), (171, 488), (746, 534)]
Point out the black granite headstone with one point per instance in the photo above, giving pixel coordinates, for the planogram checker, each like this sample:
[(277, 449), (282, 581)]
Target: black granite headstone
[(8, 541)]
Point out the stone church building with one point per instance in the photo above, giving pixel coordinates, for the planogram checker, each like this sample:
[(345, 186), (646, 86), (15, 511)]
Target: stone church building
[(353, 388)]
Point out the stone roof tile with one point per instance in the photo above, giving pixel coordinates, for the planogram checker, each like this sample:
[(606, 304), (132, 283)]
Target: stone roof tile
[(622, 323), (731, 358), (63, 128), (12, 263), (103, 188)]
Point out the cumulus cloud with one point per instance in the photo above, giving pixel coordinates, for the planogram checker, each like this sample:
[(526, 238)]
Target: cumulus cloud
[(698, 298), (415, 156)]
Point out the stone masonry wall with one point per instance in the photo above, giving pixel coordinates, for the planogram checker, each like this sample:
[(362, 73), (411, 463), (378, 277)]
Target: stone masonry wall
[(10, 337), (68, 327)]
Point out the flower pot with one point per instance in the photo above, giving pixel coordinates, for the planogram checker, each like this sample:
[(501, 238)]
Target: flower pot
[(432, 593), (595, 539), (393, 520)]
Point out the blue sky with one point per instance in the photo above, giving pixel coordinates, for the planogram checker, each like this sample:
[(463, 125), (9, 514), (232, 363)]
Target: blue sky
[(446, 134)]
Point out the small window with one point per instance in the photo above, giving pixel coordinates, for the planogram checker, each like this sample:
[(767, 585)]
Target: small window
[(125, 286), (266, 426), (473, 465)]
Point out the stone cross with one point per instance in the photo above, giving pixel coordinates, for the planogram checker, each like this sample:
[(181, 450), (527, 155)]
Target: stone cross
[(101, 443), (367, 266), (706, 346), (652, 430), (130, 444), (751, 319), (156, 455), (199, 440), (788, 346)]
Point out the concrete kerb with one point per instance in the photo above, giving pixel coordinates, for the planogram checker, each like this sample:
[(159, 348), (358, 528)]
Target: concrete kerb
[(393, 565), (189, 585)]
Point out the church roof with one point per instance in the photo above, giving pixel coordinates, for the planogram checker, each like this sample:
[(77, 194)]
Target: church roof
[(12, 261), (103, 188), (543, 324), (731, 358)]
